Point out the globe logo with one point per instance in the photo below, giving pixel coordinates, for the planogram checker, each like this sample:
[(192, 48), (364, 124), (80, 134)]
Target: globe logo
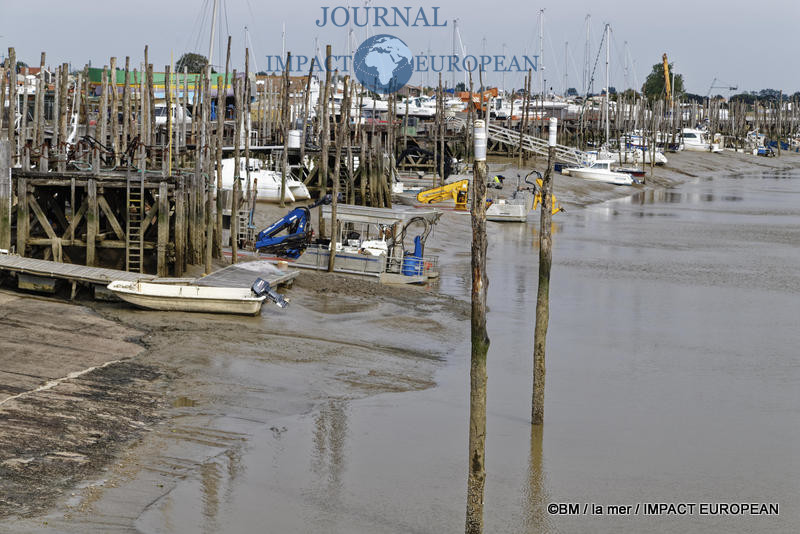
[(383, 64)]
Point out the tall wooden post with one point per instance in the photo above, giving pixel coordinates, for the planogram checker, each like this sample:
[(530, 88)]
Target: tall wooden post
[(23, 213), (12, 100), (5, 193), (306, 103), (543, 293), (325, 131), (780, 132), (163, 229), (92, 216), (237, 133), (222, 97), (337, 167), (126, 105), (480, 340), (285, 115), (180, 227), (114, 101)]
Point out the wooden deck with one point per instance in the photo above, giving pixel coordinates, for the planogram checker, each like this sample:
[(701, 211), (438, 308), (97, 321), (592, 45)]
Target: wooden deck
[(245, 273), (66, 271)]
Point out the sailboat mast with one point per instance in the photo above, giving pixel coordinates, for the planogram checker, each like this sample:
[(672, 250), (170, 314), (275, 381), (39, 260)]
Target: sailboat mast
[(541, 50), (608, 91), (566, 65), (213, 28), (586, 60)]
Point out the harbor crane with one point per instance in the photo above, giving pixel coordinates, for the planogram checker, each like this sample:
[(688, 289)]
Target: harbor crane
[(725, 86)]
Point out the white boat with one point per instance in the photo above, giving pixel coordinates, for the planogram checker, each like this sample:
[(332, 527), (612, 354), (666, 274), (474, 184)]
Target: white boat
[(269, 181), (696, 140), (511, 210), (417, 107), (634, 157), (186, 298), (600, 171)]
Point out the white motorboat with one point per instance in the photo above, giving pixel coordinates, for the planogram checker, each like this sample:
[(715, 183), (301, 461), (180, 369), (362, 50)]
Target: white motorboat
[(417, 107), (600, 171), (187, 298), (511, 210), (269, 181), (696, 140), (634, 157)]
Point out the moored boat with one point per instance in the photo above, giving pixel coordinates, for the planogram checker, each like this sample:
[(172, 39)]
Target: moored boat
[(188, 298), (600, 171)]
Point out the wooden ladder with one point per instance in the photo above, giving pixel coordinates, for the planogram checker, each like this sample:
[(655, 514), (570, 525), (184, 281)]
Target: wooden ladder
[(134, 240)]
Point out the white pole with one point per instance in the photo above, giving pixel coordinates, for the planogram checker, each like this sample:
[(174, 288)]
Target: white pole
[(213, 28), (541, 50)]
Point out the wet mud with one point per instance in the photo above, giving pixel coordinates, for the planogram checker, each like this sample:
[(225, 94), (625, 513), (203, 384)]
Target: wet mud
[(290, 418)]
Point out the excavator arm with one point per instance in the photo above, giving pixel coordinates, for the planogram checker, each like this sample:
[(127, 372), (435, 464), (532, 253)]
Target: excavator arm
[(537, 197), (458, 191)]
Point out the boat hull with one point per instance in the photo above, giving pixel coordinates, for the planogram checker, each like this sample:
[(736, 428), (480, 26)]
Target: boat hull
[(162, 297), (514, 211), (615, 178)]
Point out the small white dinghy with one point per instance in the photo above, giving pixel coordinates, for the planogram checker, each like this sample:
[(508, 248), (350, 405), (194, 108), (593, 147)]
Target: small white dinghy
[(187, 298), (511, 210)]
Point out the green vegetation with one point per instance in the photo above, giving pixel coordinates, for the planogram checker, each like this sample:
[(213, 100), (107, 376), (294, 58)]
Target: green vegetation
[(654, 84)]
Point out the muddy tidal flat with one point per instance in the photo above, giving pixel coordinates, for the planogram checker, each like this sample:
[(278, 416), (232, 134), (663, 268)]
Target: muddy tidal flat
[(672, 377)]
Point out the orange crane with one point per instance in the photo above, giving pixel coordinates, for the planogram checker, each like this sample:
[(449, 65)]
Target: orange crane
[(667, 85)]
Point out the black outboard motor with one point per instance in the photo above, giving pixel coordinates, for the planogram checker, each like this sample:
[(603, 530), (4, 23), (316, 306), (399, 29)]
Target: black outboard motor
[(261, 287)]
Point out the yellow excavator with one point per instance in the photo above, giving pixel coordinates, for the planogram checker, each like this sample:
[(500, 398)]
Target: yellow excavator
[(537, 198), (458, 191)]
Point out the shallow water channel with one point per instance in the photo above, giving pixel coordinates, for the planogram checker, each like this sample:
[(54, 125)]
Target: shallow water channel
[(673, 376)]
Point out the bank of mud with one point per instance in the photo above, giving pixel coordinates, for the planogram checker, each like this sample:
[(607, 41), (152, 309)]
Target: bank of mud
[(71, 394), (209, 385)]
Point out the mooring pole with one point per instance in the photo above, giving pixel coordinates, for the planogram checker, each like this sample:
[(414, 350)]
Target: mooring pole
[(480, 339), (5, 193), (543, 293)]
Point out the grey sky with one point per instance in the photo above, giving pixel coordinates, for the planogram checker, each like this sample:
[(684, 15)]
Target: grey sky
[(738, 42)]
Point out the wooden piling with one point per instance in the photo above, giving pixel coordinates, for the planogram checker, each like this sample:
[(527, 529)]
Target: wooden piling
[(114, 101), (180, 228), (6, 193), (342, 130), (126, 105), (163, 230), (11, 132), (479, 349), (543, 292), (285, 115), (92, 216)]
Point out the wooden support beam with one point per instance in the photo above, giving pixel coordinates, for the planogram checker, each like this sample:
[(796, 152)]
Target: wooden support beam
[(92, 216), (148, 218), (5, 194), (76, 219), (41, 217), (163, 230), (23, 216), (55, 241), (112, 219), (180, 230)]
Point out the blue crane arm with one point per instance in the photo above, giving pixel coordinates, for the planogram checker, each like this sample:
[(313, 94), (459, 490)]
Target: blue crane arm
[(295, 223)]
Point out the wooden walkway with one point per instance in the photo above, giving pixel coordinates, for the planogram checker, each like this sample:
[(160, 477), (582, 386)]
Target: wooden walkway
[(66, 271), (245, 273)]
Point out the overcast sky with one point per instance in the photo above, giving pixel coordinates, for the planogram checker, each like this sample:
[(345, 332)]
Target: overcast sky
[(752, 45)]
